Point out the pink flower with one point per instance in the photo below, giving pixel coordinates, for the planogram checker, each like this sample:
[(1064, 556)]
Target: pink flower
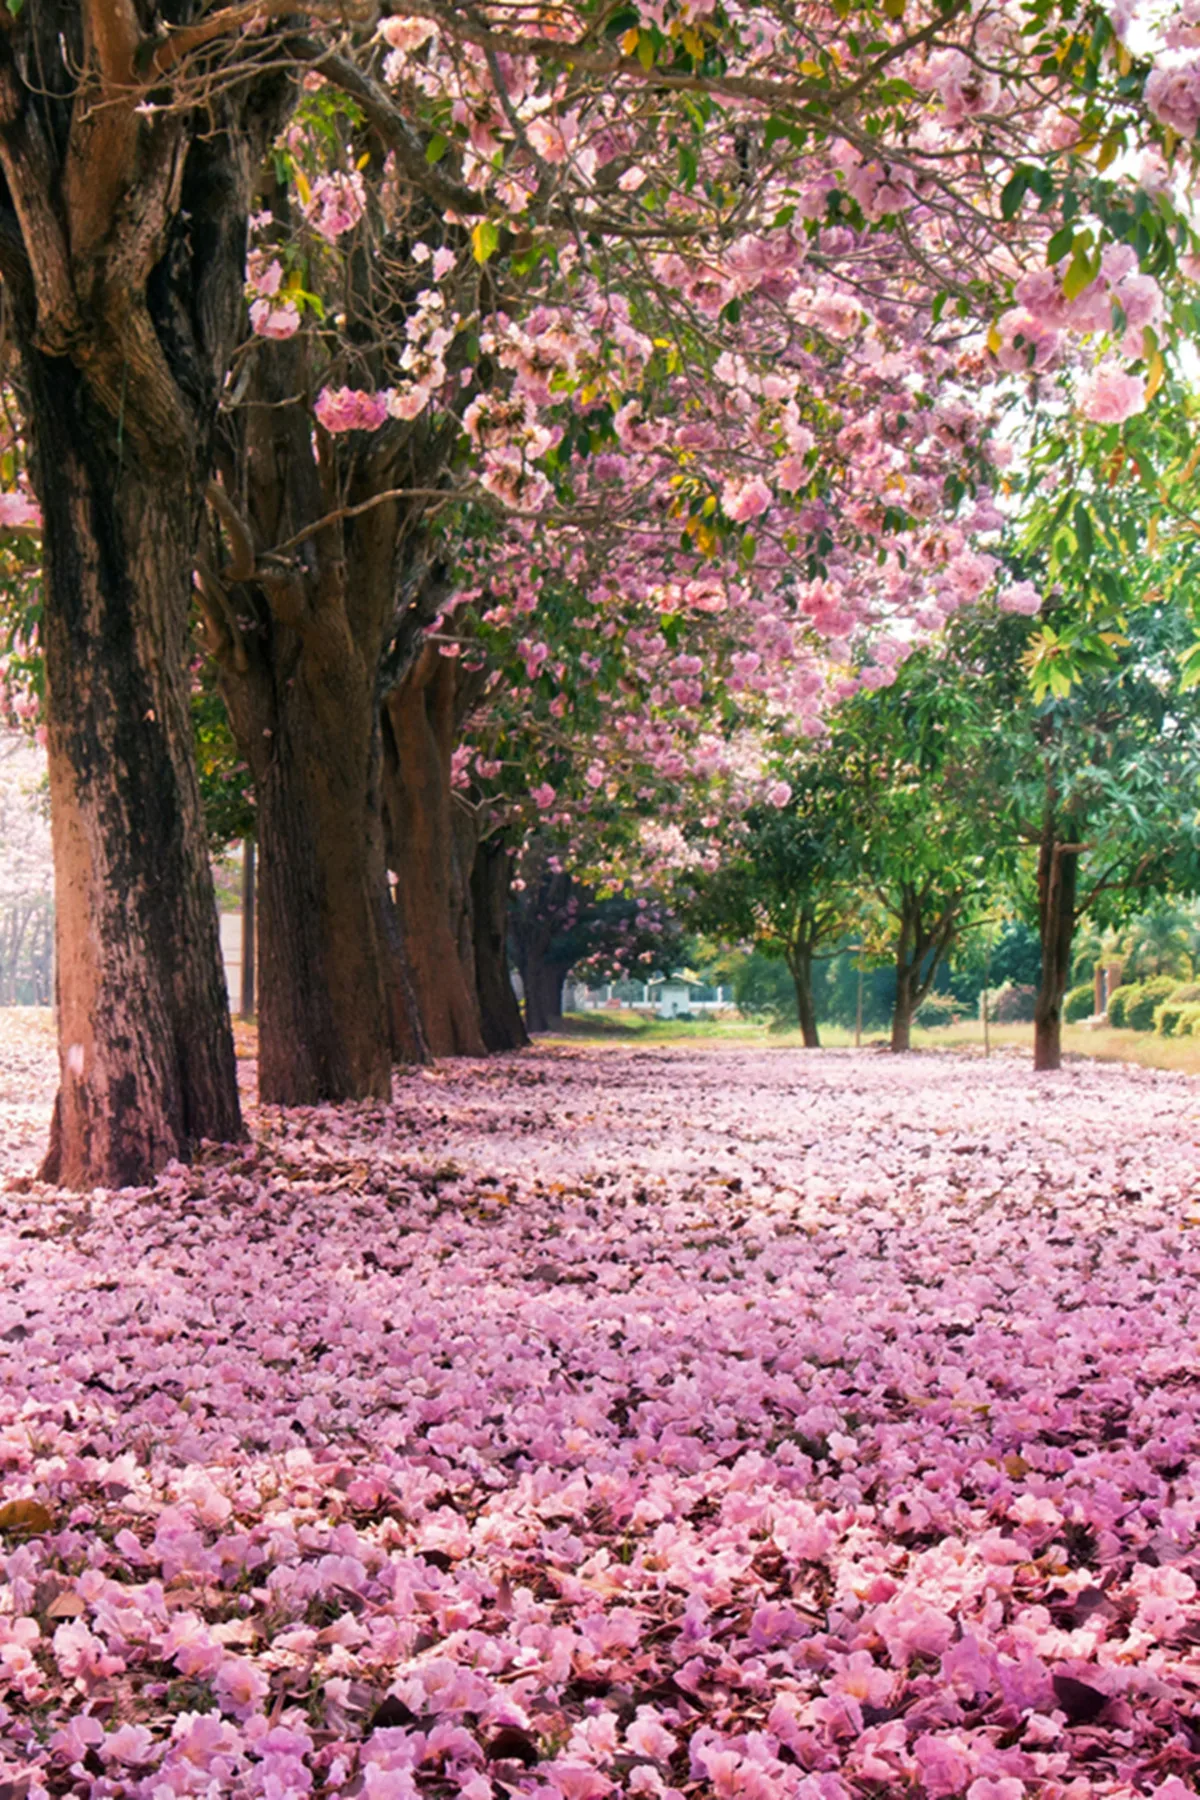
[(1021, 597), (270, 321), (336, 204), (778, 794), (350, 409), (17, 510), (543, 797), (129, 1744), (649, 1736), (742, 501), (945, 1764), (1109, 395), (404, 33), (239, 1686), (1173, 96)]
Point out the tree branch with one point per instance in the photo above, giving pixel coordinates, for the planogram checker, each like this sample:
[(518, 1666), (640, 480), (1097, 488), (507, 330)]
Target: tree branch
[(382, 112)]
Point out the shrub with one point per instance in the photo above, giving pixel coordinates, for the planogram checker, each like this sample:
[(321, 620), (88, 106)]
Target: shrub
[(1079, 1003), (1188, 994), (1012, 1004), (938, 1009), (1131, 1008), (1177, 1018)]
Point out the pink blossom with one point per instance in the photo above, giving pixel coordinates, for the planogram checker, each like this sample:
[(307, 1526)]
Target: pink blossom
[(403, 32), (742, 501), (1173, 96), (778, 794), (336, 203), (18, 510), (1110, 395), (543, 797), (240, 1686), (270, 321), (350, 409)]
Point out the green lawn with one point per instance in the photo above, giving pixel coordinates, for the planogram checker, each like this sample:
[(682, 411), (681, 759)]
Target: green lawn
[(1143, 1047)]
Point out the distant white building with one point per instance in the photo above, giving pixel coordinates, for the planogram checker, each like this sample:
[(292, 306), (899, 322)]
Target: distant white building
[(669, 996)]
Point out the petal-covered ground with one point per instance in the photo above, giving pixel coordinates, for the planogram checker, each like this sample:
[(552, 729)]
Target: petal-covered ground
[(736, 1423)]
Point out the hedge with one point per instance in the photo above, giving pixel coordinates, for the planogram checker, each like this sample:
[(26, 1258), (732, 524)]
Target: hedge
[(938, 1009), (1177, 1018), (1132, 1008), (1079, 1003)]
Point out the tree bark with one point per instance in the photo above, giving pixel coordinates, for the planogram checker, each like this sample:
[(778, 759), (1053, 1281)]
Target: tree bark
[(902, 1011), (249, 927), (122, 243), (421, 718), (303, 714), (1058, 871), (499, 1013), (800, 963), (919, 950), (146, 1050), (299, 645), (543, 982)]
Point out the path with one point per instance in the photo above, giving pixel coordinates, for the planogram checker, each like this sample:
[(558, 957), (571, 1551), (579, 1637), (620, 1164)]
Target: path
[(796, 1426)]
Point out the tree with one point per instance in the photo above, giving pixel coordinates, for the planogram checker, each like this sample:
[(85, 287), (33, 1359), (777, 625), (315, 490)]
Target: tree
[(1096, 775), (785, 882), (559, 924), (917, 756)]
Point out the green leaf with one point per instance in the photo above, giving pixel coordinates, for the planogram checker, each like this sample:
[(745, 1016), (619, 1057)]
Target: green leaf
[(1012, 194), (436, 148), (1060, 244), (1082, 272), (1084, 532), (485, 240)]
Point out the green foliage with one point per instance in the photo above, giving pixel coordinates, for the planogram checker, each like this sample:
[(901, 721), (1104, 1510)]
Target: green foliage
[(988, 958), (784, 885), (1177, 1019), (1187, 995), (838, 1002), (763, 988), (1162, 941), (1079, 1003), (225, 788), (938, 1009), (1012, 1004), (1132, 1006)]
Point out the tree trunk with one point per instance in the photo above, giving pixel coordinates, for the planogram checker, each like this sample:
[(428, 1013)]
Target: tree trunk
[(249, 927), (298, 648), (303, 713), (543, 983), (146, 1049), (1058, 870), (499, 1014), (800, 965), (421, 719), (902, 1012), (123, 245)]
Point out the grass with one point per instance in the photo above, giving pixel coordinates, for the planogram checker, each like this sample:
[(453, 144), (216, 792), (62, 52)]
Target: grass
[(1106, 1045)]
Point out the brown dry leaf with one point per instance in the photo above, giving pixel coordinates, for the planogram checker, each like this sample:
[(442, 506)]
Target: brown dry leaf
[(26, 1516), (67, 1606)]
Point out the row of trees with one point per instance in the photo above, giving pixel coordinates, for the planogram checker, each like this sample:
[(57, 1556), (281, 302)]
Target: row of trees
[(954, 794), (378, 339)]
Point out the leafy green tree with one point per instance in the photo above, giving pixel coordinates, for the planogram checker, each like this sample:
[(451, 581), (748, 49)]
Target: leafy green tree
[(919, 760), (787, 887), (1096, 775)]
